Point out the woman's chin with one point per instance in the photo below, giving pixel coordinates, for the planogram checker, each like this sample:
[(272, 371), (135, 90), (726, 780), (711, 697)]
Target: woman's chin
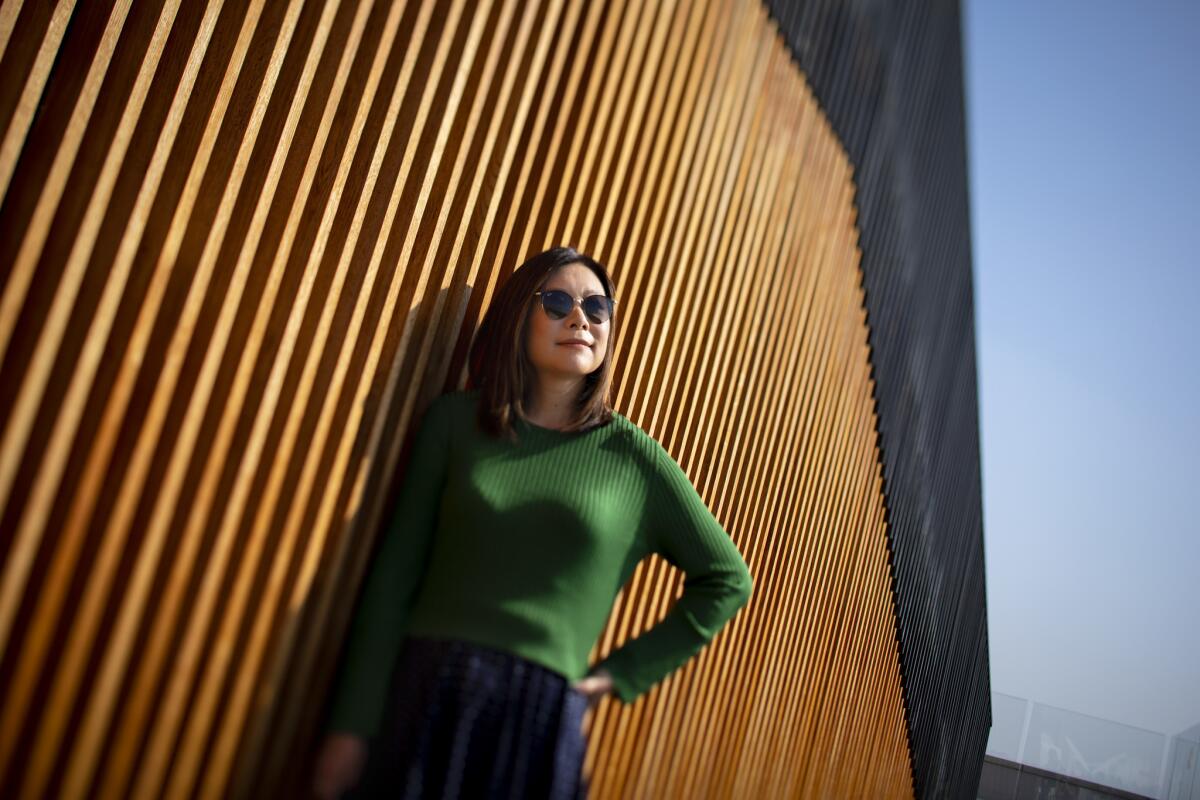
[(576, 367), (574, 356)]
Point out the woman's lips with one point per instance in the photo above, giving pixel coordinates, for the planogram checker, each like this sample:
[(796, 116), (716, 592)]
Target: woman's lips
[(575, 344)]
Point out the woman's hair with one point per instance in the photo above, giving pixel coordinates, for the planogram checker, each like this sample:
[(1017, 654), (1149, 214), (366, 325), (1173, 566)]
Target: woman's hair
[(499, 365)]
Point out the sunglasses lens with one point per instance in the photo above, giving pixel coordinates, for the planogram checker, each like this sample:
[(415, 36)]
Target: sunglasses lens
[(557, 304), (597, 308)]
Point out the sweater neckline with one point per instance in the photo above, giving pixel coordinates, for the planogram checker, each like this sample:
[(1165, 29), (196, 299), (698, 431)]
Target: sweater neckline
[(542, 429), (560, 434)]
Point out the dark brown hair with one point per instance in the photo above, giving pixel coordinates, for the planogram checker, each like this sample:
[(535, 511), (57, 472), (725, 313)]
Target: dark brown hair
[(499, 365)]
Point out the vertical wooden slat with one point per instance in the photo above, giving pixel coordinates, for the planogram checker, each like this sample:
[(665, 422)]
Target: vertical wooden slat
[(207, 399), (16, 124)]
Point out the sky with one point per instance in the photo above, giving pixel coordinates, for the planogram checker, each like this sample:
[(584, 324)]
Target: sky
[(1083, 128)]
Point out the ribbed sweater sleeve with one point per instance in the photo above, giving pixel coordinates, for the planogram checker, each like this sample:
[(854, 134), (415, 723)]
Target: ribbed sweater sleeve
[(377, 629), (717, 583)]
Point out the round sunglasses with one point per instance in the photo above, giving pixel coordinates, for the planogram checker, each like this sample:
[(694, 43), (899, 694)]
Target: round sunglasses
[(557, 304)]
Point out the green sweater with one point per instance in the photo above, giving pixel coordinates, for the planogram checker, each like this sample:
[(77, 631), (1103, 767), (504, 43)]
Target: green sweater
[(524, 547)]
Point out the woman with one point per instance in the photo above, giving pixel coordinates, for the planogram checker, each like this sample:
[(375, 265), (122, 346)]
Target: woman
[(526, 505)]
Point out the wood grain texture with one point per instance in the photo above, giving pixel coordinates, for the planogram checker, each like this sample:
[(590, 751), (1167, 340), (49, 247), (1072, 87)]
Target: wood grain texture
[(243, 244)]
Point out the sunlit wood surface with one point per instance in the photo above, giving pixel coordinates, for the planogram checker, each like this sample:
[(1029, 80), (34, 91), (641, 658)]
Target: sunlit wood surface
[(243, 244)]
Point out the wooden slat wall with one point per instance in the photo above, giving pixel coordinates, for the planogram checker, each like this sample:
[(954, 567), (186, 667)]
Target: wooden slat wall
[(242, 244)]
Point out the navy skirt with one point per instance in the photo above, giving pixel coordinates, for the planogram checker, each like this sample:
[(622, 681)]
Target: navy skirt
[(466, 721)]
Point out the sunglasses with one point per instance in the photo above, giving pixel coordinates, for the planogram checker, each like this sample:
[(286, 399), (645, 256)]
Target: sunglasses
[(558, 304)]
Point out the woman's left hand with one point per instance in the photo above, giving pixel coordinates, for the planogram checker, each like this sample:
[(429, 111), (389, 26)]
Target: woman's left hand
[(595, 685)]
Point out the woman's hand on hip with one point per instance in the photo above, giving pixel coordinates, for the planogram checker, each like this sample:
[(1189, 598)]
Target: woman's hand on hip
[(595, 685)]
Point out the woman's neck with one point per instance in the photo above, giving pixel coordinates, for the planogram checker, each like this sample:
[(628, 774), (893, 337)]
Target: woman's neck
[(553, 402)]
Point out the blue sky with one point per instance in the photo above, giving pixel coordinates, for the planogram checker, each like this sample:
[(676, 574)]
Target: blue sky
[(1083, 129)]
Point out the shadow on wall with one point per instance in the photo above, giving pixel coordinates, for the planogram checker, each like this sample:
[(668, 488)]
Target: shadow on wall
[(308, 648)]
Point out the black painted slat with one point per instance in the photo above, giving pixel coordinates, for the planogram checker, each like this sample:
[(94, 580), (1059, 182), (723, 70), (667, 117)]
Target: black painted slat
[(889, 75)]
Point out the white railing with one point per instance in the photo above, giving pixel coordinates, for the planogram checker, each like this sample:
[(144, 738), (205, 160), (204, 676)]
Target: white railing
[(1097, 750)]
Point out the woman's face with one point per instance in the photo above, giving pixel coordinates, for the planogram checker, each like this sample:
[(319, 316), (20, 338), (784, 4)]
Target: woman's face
[(548, 339)]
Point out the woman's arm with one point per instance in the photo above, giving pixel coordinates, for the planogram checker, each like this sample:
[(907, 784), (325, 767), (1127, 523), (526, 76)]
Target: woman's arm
[(717, 583), (395, 574)]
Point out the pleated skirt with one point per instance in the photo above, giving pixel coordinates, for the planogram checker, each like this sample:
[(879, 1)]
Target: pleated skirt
[(466, 721)]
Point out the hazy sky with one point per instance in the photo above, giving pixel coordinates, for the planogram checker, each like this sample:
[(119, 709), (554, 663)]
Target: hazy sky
[(1083, 126)]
